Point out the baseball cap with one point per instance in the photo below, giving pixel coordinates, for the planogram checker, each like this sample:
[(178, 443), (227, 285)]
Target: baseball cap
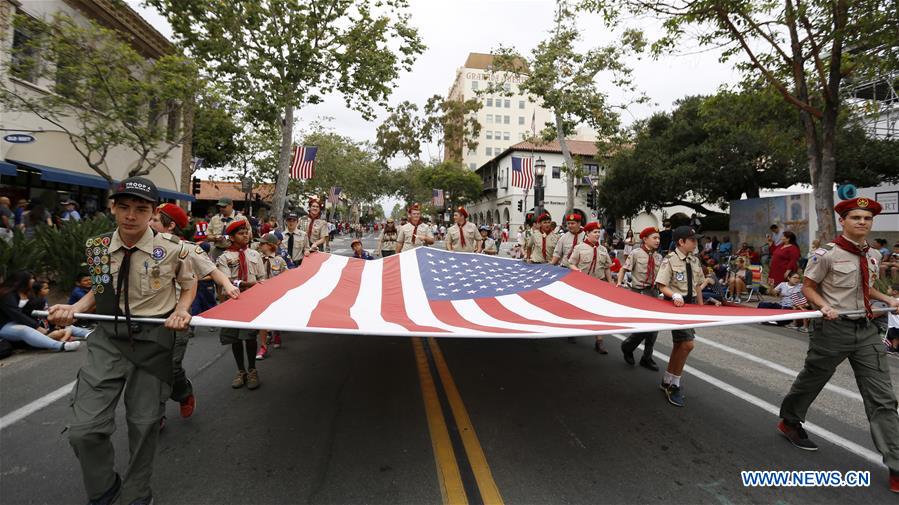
[(291, 215), (683, 232), (138, 187), (269, 238), (223, 201)]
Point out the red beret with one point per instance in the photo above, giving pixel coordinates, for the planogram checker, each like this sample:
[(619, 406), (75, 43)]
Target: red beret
[(591, 226), (573, 217), (462, 212), (314, 199), (648, 231), (415, 206), (860, 203), (544, 217), (235, 226), (175, 213)]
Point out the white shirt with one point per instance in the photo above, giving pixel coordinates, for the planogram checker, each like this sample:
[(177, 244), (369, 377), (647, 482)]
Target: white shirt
[(786, 292), (893, 320)]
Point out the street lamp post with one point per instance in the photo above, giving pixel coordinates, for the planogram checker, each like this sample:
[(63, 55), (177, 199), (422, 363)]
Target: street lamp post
[(539, 171)]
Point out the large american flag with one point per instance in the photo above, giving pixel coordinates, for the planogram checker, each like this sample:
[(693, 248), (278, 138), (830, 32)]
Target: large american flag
[(522, 172), (437, 198), (334, 195), (302, 166), (426, 291)]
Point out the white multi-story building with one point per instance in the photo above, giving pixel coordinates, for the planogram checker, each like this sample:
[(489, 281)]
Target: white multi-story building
[(505, 120), (37, 160)]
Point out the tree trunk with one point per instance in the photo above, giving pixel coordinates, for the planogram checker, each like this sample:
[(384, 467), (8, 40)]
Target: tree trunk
[(280, 198), (187, 152), (570, 182)]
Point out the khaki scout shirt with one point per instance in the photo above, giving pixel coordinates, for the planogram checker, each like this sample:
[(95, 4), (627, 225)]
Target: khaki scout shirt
[(387, 241), (673, 273), (538, 239), (637, 263), (582, 258), (489, 246), (319, 230), (159, 264), (274, 265), (300, 244), (454, 236), (199, 260), (229, 264), (219, 223), (838, 276), (408, 231), (565, 246)]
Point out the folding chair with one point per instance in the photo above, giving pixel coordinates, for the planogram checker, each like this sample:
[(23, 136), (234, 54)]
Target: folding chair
[(756, 284)]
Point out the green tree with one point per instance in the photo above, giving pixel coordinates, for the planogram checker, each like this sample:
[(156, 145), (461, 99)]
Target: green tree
[(451, 124), (279, 55), (564, 80), (417, 181), (106, 95), (806, 50), (216, 132)]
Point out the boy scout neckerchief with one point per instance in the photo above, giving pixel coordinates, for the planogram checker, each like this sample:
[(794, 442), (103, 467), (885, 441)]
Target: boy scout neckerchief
[(311, 223), (862, 253), (592, 268), (415, 231), (243, 271), (650, 265), (122, 283), (461, 234), (574, 244)]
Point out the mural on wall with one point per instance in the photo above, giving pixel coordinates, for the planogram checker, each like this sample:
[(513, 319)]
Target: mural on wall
[(750, 220)]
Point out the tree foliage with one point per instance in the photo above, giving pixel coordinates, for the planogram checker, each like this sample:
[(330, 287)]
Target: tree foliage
[(805, 49), (279, 55), (712, 150), (217, 132), (416, 182), (451, 124), (105, 94)]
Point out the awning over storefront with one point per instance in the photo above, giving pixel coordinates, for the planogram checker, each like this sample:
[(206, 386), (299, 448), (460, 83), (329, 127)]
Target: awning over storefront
[(53, 174), (7, 169)]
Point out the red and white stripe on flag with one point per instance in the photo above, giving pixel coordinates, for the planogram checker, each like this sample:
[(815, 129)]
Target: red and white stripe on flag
[(302, 165), (522, 172), (429, 292)]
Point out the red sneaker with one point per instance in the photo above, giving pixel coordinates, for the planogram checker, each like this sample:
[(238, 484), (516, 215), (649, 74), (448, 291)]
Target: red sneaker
[(894, 481), (276, 340), (188, 406)]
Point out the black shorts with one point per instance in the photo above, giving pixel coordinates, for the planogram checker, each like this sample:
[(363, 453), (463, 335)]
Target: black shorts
[(683, 335)]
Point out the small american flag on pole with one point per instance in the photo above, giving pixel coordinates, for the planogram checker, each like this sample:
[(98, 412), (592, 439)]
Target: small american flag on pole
[(302, 166), (437, 198), (522, 172), (334, 195), (797, 299)]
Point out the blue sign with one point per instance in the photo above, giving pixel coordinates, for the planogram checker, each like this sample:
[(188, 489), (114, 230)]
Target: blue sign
[(19, 138)]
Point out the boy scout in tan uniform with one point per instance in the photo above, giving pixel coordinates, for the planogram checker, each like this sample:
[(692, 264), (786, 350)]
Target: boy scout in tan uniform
[(568, 241), (227, 215), (543, 242), (679, 279), (296, 242), (839, 278), (642, 263), (462, 236), (414, 233), (592, 259), (136, 273), (315, 227)]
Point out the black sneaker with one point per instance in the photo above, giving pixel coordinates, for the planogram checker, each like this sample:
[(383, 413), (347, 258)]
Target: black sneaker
[(111, 495), (796, 435), (675, 395), (628, 355), (650, 364)]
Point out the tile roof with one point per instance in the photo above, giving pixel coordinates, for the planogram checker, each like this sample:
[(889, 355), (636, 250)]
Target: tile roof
[(213, 190), (577, 147)]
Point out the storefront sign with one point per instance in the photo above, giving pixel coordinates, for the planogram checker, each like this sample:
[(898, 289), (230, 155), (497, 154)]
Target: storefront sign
[(19, 138)]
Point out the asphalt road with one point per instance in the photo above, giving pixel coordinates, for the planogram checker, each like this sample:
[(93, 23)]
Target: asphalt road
[(351, 419)]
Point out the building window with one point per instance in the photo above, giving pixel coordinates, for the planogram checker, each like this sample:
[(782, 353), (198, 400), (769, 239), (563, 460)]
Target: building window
[(506, 135), (489, 151), (472, 166), (489, 135), (507, 103), (173, 124), (25, 62), (474, 85), (489, 102), (505, 119), (557, 172), (591, 169), (521, 104), (472, 152), (490, 118), (521, 120)]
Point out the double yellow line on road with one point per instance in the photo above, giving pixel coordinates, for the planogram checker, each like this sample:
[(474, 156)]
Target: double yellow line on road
[(462, 468)]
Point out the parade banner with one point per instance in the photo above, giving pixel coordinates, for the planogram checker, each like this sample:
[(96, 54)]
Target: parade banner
[(433, 292)]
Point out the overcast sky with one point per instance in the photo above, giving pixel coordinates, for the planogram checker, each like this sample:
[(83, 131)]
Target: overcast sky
[(452, 28)]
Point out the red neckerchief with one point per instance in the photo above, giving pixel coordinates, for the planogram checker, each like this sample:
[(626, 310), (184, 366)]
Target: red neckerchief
[(414, 231), (862, 253), (592, 268), (461, 234), (650, 265), (309, 232), (573, 245), (544, 245), (243, 271)]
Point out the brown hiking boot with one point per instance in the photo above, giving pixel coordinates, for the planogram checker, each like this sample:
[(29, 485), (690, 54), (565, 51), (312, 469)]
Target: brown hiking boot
[(252, 379), (239, 380)]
